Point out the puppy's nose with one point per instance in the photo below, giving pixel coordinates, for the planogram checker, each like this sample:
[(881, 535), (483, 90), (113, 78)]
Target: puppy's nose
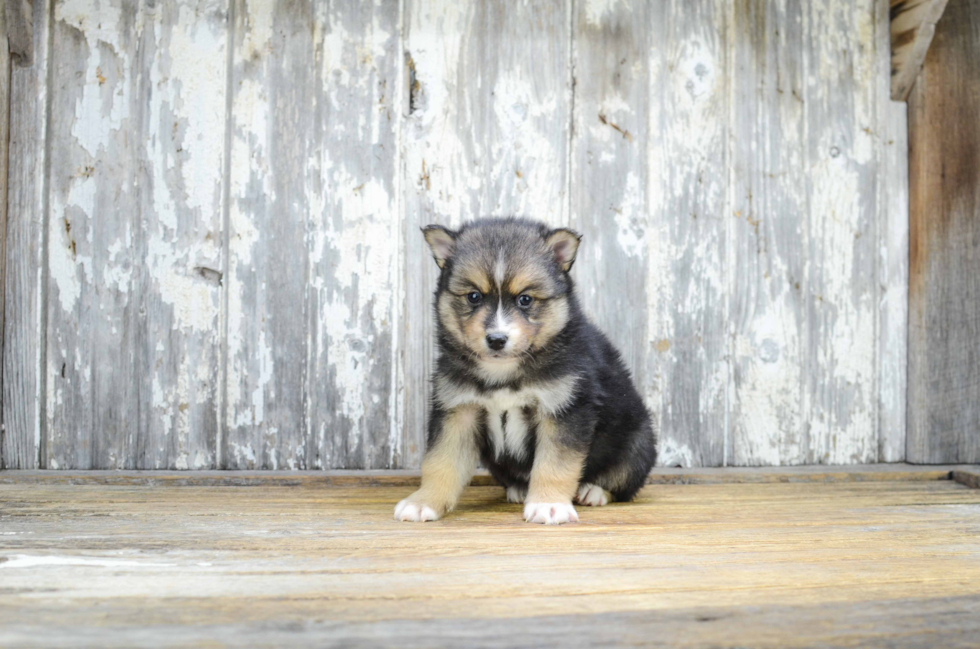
[(496, 341)]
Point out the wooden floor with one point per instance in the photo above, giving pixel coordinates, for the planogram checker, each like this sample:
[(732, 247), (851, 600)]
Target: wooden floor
[(860, 561)]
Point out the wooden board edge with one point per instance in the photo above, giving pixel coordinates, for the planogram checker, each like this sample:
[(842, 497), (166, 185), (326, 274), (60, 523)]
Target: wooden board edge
[(966, 477), (409, 478)]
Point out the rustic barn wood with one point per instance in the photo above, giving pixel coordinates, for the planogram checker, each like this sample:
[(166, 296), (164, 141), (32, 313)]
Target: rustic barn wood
[(312, 236), (24, 295), (893, 255), (896, 472), (760, 565), (944, 242), (19, 15), (227, 272), (135, 236), (649, 152), (767, 300), (969, 477), (913, 25), (4, 145)]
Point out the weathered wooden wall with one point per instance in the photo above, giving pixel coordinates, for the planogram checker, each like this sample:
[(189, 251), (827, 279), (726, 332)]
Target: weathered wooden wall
[(944, 273), (214, 257)]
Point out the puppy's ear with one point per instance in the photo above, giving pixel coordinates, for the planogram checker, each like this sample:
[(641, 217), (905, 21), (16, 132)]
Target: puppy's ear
[(564, 245), (442, 242)]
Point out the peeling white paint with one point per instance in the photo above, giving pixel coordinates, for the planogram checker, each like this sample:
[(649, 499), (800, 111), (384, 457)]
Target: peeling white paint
[(674, 454), (596, 11), (369, 276)]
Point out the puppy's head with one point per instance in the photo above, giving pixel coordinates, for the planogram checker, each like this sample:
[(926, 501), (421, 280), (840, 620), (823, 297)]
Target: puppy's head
[(504, 288)]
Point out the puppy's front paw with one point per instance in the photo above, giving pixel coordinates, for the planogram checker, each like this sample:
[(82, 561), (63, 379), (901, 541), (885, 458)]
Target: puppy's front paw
[(592, 495), (412, 510), (550, 513), (516, 494)]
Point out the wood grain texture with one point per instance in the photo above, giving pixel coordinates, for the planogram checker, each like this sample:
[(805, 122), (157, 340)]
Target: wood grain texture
[(841, 287), (233, 269), (768, 225), (969, 478), (944, 245), (855, 564), (912, 28), (649, 167), (893, 256), (313, 235), (4, 146), (92, 383), (19, 15), (181, 150), (486, 143), (23, 388), (135, 235), (898, 472)]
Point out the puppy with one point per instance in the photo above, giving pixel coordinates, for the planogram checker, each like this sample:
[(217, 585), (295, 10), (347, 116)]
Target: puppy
[(524, 382)]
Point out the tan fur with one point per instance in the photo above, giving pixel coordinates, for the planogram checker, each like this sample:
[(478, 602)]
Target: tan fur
[(553, 318), (474, 332), (531, 280), (451, 462), (557, 469), (447, 314), (467, 277)]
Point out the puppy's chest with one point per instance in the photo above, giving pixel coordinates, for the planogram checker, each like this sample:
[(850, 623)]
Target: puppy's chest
[(508, 422), (511, 413)]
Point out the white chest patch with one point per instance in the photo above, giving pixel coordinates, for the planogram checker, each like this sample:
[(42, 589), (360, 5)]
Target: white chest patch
[(508, 431), (548, 398)]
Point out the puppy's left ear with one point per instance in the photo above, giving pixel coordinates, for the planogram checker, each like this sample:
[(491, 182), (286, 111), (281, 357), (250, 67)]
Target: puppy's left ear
[(442, 241), (564, 244)]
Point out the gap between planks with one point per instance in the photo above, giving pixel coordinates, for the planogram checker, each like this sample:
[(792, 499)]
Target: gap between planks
[(968, 475)]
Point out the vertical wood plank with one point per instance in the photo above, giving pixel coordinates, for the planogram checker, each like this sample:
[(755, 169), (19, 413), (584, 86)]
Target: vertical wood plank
[(352, 169), (769, 234), (893, 256), (181, 73), (841, 69), (134, 234), (23, 278), (268, 258), (485, 134), (619, 54), (4, 145), (649, 189), (93, 232), (312, 235), (19, 30), (944, 245)]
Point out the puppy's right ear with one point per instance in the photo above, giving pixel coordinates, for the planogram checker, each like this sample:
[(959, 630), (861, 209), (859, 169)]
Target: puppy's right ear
[(442, 242)]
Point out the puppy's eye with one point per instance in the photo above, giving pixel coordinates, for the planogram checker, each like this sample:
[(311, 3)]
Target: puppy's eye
[(525, 300), (474, 297)]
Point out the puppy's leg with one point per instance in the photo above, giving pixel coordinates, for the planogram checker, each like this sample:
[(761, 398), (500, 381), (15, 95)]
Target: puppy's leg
[(555, 476), (447, 467)]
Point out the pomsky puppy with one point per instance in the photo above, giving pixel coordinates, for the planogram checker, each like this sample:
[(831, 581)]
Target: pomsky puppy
[(524, 382)]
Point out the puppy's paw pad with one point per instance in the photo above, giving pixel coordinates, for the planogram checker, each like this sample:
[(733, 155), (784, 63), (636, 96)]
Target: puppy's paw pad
[(550, 513), (516, 495), (410, 511), (592, 496)]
